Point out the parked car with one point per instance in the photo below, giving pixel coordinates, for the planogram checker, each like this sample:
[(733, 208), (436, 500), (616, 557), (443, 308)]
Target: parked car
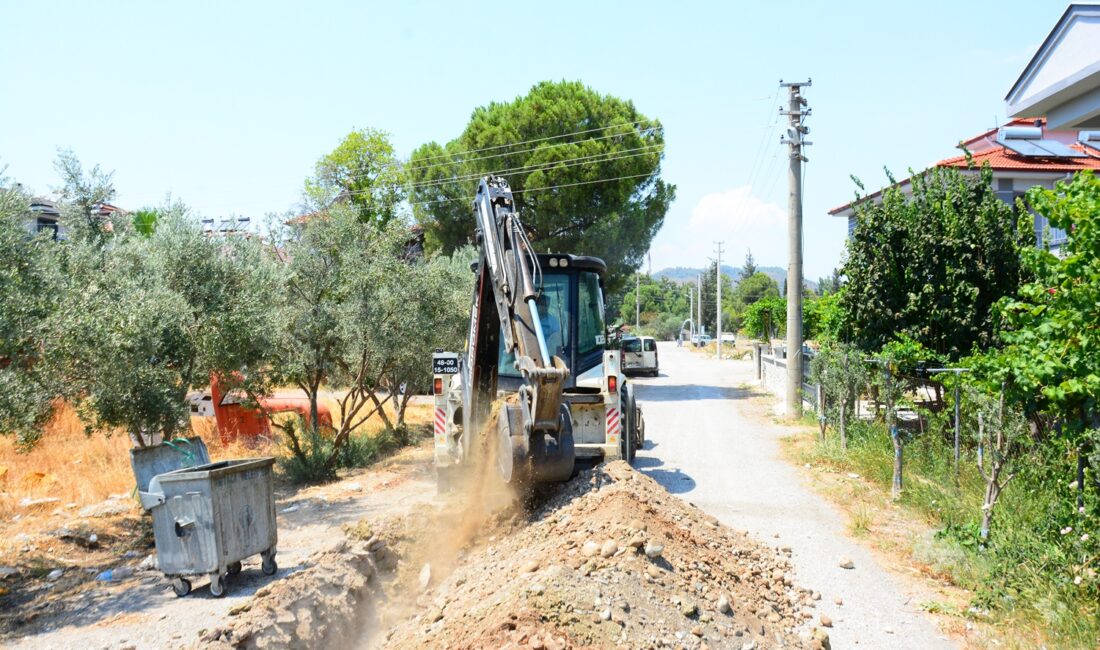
[(729, 337), (704, 339), (640, 355)]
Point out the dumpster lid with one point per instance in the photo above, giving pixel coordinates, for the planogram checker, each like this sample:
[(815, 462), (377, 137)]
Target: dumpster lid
[(168, 456)]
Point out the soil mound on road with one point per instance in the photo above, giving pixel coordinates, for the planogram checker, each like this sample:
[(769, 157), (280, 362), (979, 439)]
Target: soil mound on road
[(610, 559)]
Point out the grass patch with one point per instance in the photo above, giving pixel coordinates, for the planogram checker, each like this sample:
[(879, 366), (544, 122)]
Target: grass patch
[(362, 449), (1029, 579), (863, 519)]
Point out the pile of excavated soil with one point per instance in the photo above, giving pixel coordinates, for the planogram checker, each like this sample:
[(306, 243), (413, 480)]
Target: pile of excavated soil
[(609, 559)]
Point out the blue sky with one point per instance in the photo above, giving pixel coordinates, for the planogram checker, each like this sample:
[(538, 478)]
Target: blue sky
[(227, 105)]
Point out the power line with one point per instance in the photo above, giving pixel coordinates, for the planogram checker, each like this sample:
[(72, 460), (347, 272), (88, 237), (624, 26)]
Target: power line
[(601, 180), (529, 169), (535, 167), (762, 150), (401, 166), (551, 137), (538, 189), (512, 153)]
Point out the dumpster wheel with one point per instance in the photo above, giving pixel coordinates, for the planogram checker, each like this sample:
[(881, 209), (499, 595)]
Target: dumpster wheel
[(182, 586), (217, 585), (268, 565), (234, 568)]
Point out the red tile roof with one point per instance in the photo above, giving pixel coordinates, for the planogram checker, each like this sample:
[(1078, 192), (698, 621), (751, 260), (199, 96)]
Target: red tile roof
[(1000, 158)]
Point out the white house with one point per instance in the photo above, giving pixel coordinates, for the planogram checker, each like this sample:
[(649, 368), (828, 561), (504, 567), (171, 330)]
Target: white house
[(1062, 80), (1021, 154)]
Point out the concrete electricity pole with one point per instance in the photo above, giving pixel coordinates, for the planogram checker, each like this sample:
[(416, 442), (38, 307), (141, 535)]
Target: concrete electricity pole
[(637, 302), (718, 299), (691, 312), (797, 112), (699, 305)]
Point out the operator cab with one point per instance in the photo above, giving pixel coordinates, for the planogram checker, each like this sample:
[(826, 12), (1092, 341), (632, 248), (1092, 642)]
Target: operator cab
[(571, 309)]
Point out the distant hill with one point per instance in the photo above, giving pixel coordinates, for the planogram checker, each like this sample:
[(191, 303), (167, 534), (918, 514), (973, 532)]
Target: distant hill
[(682, 274)]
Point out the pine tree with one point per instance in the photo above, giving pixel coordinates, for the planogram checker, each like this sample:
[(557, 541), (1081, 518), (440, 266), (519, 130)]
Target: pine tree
[(749, 268)]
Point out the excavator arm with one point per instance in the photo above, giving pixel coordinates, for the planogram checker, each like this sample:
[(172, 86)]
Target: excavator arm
[(533, 432)]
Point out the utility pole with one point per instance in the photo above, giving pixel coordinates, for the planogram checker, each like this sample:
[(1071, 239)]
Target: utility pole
[(637, 302), (691, 312), (797, 112), (699, 305), (718, 299)]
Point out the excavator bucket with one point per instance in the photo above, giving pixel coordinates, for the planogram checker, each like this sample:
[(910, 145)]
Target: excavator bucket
[(536, 458)]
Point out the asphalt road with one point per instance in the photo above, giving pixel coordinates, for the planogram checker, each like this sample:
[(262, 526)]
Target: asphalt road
[(706, 444)]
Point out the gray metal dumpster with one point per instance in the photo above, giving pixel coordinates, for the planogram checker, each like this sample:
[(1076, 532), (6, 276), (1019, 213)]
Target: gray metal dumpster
[(206, 519), (169, 456)]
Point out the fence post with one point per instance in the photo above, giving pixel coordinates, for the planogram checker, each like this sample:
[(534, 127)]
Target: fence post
[(820, 396), (757, 353), (957, 428)]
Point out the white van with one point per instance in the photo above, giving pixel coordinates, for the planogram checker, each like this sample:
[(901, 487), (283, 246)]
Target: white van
[(640, 355)]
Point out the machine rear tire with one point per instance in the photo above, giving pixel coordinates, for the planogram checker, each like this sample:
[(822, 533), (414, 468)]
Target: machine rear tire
[(627, 446)]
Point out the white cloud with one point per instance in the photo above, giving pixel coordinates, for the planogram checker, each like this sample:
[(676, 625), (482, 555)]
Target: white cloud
[(736, 217), (735, 212)]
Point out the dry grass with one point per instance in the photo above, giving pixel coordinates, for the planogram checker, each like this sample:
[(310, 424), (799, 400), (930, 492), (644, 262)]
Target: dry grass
[(79, 469), (66, 464)]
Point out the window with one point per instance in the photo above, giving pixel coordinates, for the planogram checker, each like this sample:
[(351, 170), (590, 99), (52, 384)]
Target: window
[(650, 345), (46, 224), (632, 345), (590, 329), (554, 313)]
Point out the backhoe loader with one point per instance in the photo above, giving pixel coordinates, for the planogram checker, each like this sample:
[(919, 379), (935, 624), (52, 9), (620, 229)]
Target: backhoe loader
[(537, 349)]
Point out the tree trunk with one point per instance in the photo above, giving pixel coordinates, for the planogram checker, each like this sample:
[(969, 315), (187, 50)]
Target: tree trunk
[(401, 406), (381, 411), (314, 397), (992, 493)]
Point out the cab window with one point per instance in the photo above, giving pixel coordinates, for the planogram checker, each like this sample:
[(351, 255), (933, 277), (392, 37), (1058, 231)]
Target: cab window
[(590, 328), (554, 310)]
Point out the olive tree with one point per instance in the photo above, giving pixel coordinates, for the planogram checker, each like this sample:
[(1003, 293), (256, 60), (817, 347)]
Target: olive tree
[(27, 299), (147, 318), (358, 316), (437, 319)]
